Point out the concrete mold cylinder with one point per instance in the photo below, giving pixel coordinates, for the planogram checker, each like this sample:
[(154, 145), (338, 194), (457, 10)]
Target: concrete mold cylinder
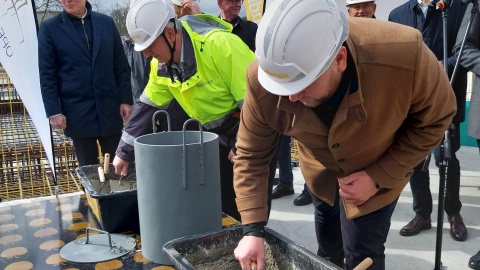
[(178, 188)]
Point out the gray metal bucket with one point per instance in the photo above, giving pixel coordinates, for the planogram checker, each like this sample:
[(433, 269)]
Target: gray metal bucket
[(178, 187)]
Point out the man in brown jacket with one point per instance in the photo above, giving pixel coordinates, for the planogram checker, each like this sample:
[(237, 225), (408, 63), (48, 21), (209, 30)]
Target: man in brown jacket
[(365, 107)]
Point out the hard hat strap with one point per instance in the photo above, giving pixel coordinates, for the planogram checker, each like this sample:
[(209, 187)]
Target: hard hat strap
[(172, 49)]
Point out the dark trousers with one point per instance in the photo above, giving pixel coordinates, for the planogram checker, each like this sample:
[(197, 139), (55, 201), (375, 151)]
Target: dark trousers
[(420, 183), (353, 240), (229, 206), (86, 149), (285, 161)]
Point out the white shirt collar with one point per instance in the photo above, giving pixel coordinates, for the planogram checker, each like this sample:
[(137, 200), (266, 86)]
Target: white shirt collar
[(424, 6)]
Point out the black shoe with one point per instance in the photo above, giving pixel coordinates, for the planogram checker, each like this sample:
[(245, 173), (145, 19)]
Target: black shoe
[(474, 261), (282, 190), (415, 226), (303, 199), (458, 231)]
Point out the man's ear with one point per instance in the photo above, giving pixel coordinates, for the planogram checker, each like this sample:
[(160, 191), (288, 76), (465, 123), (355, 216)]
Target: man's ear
[(170, 34), (341, 59)]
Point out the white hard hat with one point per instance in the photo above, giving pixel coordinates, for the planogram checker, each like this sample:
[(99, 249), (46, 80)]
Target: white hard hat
[(146, 20), (132, 3), (351, 2), (179, 2), (296, 42)]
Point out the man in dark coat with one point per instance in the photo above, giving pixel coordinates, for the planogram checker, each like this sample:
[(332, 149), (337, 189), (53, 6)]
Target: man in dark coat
[(470, 59), (427, 18), (229, 10), (85, 78), (246, 30)]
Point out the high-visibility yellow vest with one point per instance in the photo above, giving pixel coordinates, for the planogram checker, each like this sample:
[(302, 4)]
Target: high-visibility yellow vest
[(218, 86)]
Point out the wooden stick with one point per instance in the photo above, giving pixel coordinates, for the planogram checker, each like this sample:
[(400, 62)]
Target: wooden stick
[(364, 264), (101, 174), (106, 163), (253, 266)]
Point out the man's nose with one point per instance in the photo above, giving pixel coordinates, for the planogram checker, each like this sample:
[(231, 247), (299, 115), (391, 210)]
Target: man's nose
[(296, 97)]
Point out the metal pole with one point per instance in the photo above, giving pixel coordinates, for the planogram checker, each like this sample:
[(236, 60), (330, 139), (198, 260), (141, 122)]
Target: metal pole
[(55, 182), (445, 156), (445, 152)]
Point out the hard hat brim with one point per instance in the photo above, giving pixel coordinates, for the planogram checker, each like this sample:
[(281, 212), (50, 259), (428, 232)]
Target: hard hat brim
[(295, 87), (349, 3), (143, 46), (145, 31), (282, 89)]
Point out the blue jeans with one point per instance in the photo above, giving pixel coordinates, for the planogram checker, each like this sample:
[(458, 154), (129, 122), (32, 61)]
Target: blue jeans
[(285, 161), (420, 183), (352, 240)]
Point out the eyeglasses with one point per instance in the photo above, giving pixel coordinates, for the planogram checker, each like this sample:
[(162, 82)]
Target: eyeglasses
[(236, 1), (366, 5)]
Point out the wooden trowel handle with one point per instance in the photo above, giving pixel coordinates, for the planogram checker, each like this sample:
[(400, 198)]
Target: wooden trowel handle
[(106, 163), (101, 174), (364, 264)]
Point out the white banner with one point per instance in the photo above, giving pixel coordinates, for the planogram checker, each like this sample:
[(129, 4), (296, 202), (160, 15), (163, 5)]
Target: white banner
[(19, 57)]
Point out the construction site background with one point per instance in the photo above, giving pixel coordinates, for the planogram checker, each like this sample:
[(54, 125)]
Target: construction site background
[(24, 168)]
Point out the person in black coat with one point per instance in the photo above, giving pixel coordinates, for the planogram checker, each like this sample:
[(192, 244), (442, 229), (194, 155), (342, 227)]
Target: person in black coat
[(84, 78), (229, 10), (246, 30), (428, 19), (470, 59)]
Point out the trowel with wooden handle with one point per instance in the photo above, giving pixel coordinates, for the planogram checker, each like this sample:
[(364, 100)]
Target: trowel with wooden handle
[(106, 163), (101, 175)]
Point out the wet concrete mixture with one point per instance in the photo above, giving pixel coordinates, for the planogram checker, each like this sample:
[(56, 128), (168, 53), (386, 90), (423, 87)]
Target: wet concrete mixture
[(221, 257), (113, 182)]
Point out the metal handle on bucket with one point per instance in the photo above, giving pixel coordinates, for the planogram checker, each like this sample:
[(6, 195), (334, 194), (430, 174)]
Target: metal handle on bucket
[(200, 154), (154, 117)]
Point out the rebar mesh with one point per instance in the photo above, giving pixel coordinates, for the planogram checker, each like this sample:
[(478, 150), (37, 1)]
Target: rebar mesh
[(24, 168)]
